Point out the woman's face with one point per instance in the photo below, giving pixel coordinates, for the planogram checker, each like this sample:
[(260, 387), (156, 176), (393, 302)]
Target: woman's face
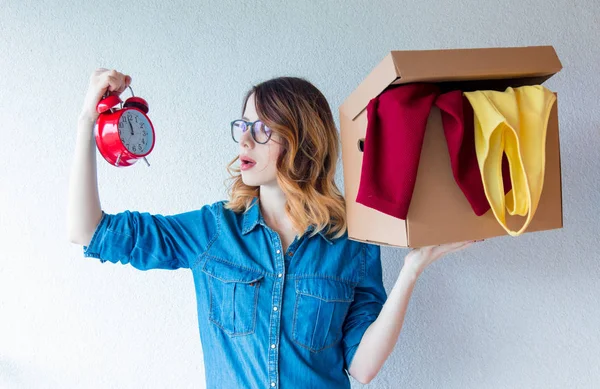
[(264, 172)]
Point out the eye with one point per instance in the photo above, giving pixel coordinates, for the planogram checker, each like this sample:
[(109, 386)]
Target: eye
[(265, 128), (240, 125)]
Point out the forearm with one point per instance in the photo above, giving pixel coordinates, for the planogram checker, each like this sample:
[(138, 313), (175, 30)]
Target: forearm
[(83, 207), (380, 338)]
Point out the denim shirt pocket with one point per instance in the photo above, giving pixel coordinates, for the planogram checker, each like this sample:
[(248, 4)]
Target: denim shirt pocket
[(320, 310), (233, 296)]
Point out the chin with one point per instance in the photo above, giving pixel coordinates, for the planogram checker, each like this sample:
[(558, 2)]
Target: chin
[(251, 181), (257, 181)]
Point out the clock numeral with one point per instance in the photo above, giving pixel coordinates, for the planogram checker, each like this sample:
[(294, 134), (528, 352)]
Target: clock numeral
[(144, 133)]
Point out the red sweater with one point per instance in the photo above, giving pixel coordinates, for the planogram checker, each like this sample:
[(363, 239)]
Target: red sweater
[(397, 119)]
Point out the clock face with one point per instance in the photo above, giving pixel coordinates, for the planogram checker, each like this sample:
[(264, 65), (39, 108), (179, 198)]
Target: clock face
[(135, 132)]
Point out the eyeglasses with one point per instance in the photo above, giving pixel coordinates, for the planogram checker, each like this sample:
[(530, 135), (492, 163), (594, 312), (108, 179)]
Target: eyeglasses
[(260, 132)]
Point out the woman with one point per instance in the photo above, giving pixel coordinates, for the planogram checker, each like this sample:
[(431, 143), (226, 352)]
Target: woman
[(284, 297)]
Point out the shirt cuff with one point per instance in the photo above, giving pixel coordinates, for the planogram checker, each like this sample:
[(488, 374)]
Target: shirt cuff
[(93, 249)]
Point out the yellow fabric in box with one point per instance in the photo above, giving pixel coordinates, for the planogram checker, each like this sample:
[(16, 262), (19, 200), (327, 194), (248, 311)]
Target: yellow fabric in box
[(512, 122)]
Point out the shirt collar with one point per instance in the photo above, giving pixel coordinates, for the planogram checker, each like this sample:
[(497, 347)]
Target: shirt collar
[(253, 216)]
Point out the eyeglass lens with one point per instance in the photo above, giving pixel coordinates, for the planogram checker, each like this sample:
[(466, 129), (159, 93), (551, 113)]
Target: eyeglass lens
[(260, 131)]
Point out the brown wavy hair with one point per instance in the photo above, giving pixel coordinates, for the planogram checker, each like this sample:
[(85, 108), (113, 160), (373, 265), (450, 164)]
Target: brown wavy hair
[(295, 109)]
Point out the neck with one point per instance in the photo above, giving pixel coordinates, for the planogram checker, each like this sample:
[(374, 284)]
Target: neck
[(272, 202)]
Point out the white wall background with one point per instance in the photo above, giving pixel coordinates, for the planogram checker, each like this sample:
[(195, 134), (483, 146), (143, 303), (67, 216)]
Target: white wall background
[(508, 313)]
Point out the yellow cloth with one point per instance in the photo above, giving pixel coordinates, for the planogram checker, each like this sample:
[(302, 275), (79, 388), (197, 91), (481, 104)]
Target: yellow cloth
[(512, 122)]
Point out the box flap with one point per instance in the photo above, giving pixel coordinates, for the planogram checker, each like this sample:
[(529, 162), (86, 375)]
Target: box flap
[(380, 78), (451, 65)]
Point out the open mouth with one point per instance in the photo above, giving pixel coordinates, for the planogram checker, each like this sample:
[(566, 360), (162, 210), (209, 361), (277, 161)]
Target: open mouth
[(247, 163)]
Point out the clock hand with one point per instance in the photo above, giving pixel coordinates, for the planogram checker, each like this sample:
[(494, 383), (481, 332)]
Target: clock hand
[(130, 126)]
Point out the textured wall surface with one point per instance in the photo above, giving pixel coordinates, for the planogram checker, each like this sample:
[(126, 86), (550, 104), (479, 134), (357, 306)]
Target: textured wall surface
[(507, 313)]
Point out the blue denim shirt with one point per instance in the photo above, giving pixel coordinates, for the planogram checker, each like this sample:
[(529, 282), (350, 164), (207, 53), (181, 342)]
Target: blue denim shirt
[(267, 319)]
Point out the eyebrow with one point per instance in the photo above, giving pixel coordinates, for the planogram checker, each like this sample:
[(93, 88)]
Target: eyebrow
[(245, 118)]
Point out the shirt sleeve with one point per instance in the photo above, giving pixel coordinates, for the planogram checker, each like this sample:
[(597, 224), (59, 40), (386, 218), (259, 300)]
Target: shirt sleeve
[(369, 297), (153, 241)]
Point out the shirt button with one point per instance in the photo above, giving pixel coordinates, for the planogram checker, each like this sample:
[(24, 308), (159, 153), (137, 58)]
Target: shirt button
[(272, 346), (279, 275), (274, 308), (278, 251), (272, 383)]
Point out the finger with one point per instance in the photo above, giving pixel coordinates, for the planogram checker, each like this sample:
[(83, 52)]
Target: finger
[(452, 247), (116, 85), (113, 83), (126, 83), (122, 88), (460, 247)]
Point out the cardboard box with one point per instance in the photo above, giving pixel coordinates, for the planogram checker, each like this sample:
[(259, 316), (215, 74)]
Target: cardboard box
[(439, 212)]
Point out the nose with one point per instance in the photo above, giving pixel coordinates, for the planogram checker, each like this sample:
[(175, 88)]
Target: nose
[(246, 139)]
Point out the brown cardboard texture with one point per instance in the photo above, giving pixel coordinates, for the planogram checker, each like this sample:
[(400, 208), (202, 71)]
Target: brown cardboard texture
[(439, 212)]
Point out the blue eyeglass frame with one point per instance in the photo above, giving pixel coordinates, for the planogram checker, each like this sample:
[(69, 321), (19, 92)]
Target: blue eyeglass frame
[(252, 131)]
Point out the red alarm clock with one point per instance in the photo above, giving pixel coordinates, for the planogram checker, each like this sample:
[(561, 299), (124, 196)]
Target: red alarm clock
[(123, 135)]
